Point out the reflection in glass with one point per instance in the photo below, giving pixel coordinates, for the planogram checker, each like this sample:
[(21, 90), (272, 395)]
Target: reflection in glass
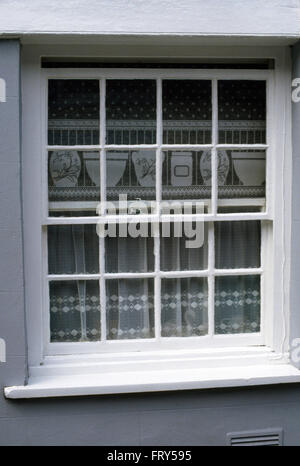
[(129, 309), (73, 112), (74, 310), (184, 307), (186, 111), (237, 304), (130, 111)]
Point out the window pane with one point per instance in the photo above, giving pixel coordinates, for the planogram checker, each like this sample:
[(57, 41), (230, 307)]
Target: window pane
[(73, 112), (241, 176), (181, 252), (129, 309), (237, 304), (130, 111), (74, 178), (186, 111), (184, 303), (74, 311), (242, 112), (131, 174), (73, 249), (186, 175), (129, 254), (237, 244)]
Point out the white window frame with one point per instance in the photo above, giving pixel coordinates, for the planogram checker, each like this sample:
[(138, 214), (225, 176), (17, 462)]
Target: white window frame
[(237, 350), (158, 342)]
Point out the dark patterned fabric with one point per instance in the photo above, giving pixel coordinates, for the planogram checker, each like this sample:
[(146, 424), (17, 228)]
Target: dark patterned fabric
[(136, 99), (131, 99), (74, 99), (242, 100), (186, 100)]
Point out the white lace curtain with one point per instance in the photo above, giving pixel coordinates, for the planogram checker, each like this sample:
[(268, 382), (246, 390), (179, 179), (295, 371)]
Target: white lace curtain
[(75, 305)]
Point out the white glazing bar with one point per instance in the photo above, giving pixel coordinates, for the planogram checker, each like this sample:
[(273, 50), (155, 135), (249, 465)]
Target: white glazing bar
[(183, 273), (102, 210), (130, 146), (102, 132), (155, 225), (120, 275), (270, 137), (47, 317), (155, 146), (154, 218), (186, 146), (157, 282), (75, 147), (63, 277), (263, 282), (214, 200), (162, 274), (242, 146), (252, 271), (46, 291), (44, 127), (214, 155), (159, 140), (102, 288), (211, 279)]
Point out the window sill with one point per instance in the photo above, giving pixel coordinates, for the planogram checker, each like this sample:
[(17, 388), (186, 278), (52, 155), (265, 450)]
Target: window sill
[(95, 375)]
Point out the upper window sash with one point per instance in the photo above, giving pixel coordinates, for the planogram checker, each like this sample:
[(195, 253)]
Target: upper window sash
[(158, 75)]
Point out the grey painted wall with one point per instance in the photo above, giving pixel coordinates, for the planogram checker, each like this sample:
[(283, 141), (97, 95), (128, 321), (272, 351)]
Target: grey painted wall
[(200, 417), (213, 17), (295, 259), (185, 418), (12, 327)]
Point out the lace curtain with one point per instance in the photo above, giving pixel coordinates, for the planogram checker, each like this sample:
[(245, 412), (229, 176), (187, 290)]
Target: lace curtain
[(75, 305), (73, 119)]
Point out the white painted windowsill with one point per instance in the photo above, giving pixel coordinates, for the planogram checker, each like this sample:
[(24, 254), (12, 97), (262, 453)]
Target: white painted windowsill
[(153, 372)]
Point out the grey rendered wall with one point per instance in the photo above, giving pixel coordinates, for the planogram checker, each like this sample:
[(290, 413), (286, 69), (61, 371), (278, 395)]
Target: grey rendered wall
[(11, 263), (192, 17), (295, 247), (186, 418), (183, 418)]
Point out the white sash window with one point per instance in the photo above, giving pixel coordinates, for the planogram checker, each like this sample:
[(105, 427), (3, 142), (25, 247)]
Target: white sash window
[(115, 300), (189, 151)]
